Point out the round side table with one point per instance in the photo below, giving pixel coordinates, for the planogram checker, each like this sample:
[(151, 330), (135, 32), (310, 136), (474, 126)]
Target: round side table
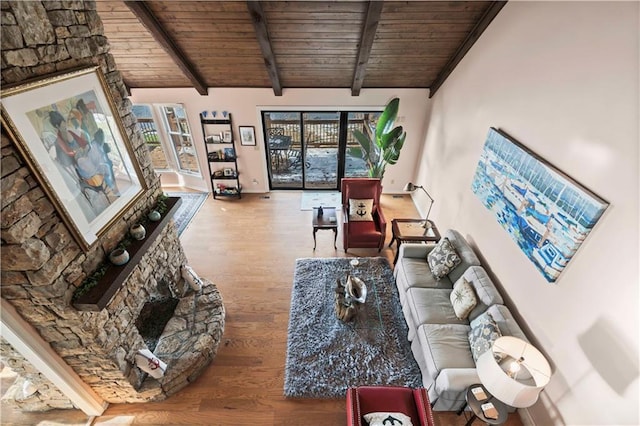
[(476, 407)]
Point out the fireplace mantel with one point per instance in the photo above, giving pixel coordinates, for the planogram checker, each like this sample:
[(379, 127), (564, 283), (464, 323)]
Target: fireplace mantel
[(100, 295)]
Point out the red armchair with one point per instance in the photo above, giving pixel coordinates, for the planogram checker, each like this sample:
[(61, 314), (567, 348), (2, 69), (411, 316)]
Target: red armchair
[(362, 234), (389, 399)]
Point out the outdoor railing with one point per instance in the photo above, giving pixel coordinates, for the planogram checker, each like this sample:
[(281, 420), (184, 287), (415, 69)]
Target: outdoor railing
[(318, 134)]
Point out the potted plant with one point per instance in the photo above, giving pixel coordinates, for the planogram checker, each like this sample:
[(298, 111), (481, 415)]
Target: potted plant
[(382, 147)]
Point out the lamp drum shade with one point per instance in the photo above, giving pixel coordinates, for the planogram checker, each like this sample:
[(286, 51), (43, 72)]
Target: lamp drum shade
[(523, 388)]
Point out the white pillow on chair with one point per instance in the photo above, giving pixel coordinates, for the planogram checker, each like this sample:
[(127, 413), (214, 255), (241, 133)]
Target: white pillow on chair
[(360, 210), (382, 419)]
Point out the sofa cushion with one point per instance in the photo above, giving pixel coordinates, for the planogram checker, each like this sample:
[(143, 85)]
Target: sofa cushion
[(443, 258), (463, 298), (506, 323), (364, 231), (485, 290), (431, 306), (464, 250), (360, 209), (444, 346), (484, 331), (412, 272)]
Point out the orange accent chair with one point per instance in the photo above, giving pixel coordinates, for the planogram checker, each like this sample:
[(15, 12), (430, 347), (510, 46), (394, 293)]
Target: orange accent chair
[(362, 234), (388, 399)]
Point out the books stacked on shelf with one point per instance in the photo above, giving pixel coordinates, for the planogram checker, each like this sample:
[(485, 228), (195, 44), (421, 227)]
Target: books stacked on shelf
[(226, 154), (226, 190)]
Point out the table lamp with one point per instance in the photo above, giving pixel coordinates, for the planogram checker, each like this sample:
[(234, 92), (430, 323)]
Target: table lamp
[(520, 375), (410, 187)]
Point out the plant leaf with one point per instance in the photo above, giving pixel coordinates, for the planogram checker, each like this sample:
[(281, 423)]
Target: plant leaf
[(387, 118)]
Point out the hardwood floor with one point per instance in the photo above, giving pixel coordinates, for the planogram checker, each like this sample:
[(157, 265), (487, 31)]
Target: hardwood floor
[(248, 248)]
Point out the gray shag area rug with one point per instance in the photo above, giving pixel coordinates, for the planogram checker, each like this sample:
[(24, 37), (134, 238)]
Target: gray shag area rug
[(326, 356)]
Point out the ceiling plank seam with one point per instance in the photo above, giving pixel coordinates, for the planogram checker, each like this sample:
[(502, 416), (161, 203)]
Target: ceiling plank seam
[(374, 9), (146, 17), (491, 12), (262, 34)]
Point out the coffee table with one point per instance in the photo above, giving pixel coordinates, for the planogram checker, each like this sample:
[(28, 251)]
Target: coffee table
[(411, 231), (368, 315), (328, 220)]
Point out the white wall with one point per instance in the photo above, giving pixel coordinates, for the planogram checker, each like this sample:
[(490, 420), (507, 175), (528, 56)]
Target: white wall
[(245, 105), (562, 79)]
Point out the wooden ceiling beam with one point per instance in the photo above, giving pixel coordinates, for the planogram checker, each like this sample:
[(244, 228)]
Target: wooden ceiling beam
[(491, 12), (262, 33), (146, 17), (374, 8)]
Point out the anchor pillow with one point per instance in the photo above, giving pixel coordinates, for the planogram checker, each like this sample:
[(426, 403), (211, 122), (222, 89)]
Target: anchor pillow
[(387, 419), (360, 210)]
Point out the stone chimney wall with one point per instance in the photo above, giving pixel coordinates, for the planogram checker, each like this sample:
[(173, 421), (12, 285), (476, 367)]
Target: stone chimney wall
[(42, 264)]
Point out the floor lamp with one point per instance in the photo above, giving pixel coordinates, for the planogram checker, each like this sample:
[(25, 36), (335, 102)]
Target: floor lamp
[(410, 187), (519, 376)]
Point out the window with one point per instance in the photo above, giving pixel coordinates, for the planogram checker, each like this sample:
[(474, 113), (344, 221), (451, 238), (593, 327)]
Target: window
[(170, 144)]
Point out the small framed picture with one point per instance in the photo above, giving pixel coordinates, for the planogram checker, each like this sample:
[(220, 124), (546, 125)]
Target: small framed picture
[(226, 136), (228, 154), (247, 135), (228, 172)]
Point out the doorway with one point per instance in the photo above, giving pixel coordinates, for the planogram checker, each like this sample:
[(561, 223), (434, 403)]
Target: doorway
[(313, 149)]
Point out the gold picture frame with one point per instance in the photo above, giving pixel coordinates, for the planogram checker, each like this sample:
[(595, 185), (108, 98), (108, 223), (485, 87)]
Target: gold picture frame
[(69, 132)]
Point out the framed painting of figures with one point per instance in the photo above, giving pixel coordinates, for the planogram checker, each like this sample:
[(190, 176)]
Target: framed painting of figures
[(70, 134)]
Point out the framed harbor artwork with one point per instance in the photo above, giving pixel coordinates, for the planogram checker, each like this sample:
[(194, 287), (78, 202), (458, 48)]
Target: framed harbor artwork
[(545, 212), (68, 130)]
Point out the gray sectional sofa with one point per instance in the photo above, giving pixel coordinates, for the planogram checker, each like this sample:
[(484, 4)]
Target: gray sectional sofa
[(439, 340)]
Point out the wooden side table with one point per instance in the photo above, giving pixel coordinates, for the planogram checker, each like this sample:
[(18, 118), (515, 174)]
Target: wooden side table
[(328, 220), (411, 231), (475, 405)]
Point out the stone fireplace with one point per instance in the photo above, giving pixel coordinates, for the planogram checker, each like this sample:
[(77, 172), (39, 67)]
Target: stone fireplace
[(42, 264)]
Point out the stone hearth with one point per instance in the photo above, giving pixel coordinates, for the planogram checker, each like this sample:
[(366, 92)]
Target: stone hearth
[(189, 341), (154, 316)]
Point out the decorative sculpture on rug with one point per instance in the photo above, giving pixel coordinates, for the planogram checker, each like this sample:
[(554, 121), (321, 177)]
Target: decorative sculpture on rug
[(349, 297)]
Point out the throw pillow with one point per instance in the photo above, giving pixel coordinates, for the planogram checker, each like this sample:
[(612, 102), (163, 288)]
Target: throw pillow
[(463, 298), (384, 419), (443, 258), (147, 362), (360, 209), (484, 331), (191, 277)]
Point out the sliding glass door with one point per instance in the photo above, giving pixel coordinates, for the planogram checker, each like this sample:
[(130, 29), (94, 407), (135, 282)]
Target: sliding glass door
[(321, 149), (313, 149)]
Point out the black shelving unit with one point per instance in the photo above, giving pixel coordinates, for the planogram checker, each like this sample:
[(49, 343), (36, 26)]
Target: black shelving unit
[(222, 158)]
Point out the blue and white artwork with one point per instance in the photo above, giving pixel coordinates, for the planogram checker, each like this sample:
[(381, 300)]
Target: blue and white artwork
[(546, 213)]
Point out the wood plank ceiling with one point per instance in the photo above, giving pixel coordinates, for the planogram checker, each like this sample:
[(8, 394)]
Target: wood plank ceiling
[(292, 44)]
